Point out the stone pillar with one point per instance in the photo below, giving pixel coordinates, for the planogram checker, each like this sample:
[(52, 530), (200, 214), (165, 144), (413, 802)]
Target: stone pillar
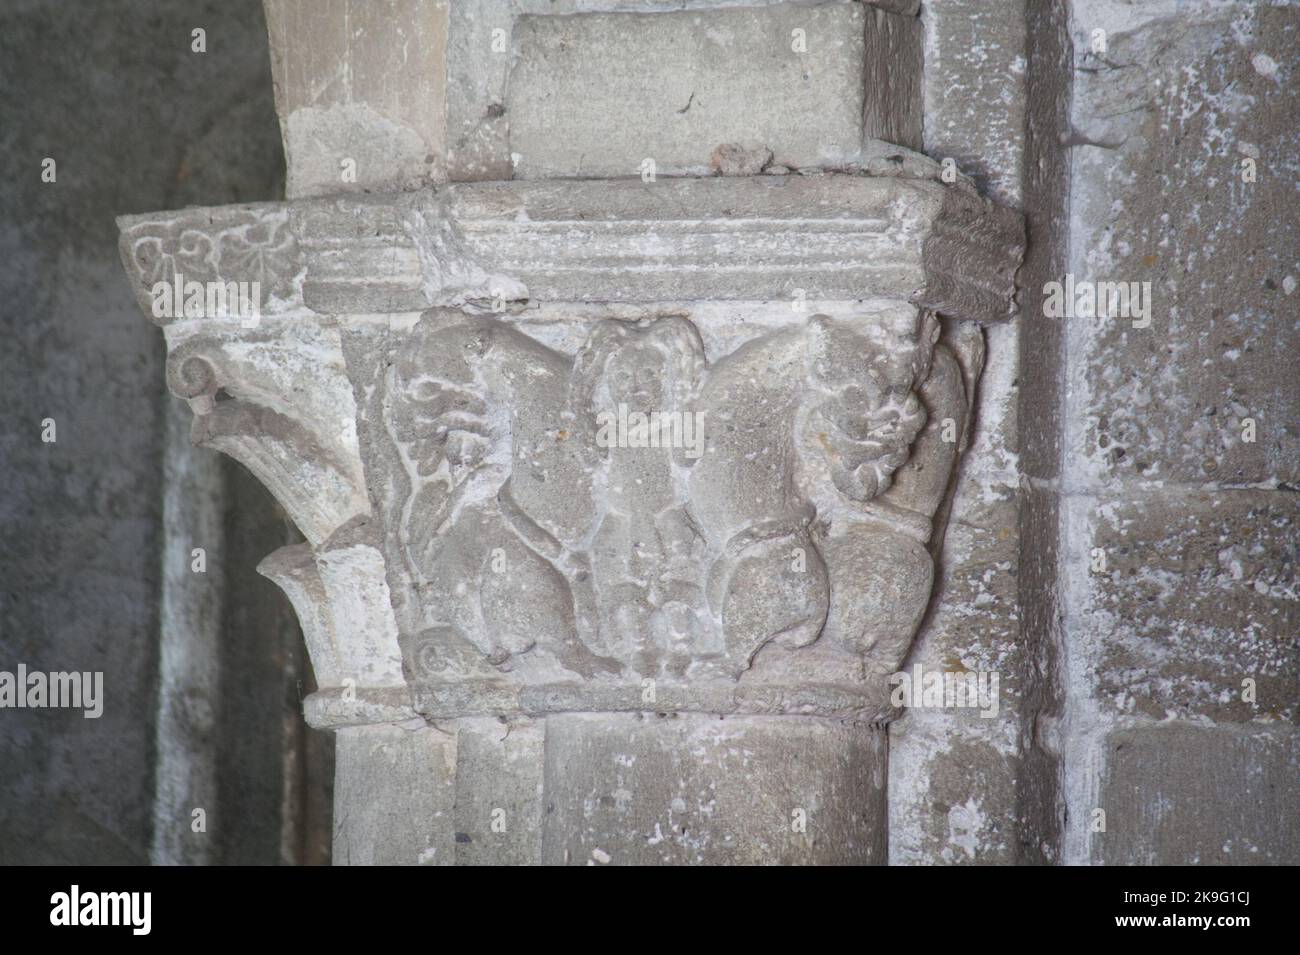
[(620, 495)]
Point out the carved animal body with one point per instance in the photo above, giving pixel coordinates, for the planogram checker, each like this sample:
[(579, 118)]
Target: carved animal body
[(534, 549)]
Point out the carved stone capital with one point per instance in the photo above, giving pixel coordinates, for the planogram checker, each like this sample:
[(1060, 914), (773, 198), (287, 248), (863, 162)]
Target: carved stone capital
[(597, 445)]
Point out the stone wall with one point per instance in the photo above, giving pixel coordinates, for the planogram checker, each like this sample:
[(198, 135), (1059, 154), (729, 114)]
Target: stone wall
[(1179, 443)]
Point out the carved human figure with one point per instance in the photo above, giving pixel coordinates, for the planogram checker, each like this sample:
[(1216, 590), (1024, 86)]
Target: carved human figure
[(529, 539), (646, 552)]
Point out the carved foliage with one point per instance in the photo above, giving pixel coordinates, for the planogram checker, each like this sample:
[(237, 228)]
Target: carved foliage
[(233, 243)]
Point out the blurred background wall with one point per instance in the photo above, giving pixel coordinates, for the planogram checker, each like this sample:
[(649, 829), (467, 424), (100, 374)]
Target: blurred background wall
[(97, 529)]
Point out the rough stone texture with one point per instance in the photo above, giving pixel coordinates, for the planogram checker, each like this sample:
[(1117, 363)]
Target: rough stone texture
[(956, 777), (654, 790), (135, 120), (893, 107), (395, 789), (459, 504), (359, 82), (833, 237), (481, 48), (478, 64), (905, 7), (1200, 795), (1039, 372), (500, 796), (953, 773), (1200, 592), (417, 457), (596, 95), (974, 90), (611, 789), (1196, 525), (620, 564), (1166, 403), (952, 794)]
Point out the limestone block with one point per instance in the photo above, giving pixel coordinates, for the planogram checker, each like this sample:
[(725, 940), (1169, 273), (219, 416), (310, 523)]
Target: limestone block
[(1198, 594), (1199, 795), (1163, 198), (952, 793), (478, 65), (652, 789), (360, 89), (955, 772), (499, 792), (597, 94), (396, 791), (974, 90)]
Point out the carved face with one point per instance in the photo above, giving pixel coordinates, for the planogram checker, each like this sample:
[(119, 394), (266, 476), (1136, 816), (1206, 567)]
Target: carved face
[(747, 563), (443, 412)]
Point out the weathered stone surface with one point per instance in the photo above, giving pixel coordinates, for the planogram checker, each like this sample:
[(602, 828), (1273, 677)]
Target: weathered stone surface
[(1199, 795), (905, 7), (464, 416), (1172, 104), (478, 64), (952, 794), (395, 789), (731, 159), (1166, 204), (833, 237), (499, 792), (591, 567), (1199, 593), (342, 600), (532, 566), (597, 94), (956, 778), (619, 789), (245, 243), (248, 390), (974, 91), (461, 506), (954, 771), (651, 789), (892, 109), (359, 87), (1038, 376)]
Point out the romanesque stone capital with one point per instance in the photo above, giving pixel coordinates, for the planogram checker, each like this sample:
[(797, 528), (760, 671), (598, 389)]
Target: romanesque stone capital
[(595, 446)]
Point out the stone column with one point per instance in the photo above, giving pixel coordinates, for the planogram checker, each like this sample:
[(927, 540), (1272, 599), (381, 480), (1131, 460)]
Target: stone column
[(621, 496)]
